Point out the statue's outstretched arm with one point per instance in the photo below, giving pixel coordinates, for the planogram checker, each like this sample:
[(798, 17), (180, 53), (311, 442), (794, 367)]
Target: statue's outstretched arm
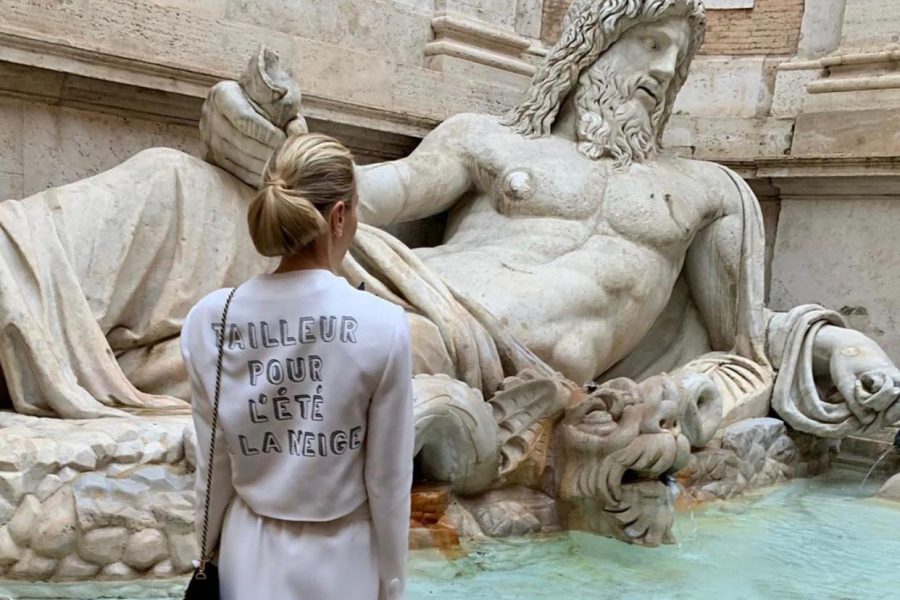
[(243, 122), (425, 183), (830, 381)]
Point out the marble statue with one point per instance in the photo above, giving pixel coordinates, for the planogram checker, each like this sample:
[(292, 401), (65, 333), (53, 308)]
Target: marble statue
[(594, 312)]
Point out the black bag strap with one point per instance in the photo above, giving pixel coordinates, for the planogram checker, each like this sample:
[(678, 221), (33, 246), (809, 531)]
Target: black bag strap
[(205, 556)]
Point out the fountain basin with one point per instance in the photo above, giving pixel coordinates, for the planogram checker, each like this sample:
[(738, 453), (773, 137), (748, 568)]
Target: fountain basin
[(816, 538)]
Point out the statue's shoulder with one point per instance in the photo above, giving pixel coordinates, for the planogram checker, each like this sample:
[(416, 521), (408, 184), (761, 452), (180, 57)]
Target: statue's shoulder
[(715, 177), (464, 126)]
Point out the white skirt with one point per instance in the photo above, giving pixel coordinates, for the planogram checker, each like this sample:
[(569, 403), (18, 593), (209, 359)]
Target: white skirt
[(270, 559)]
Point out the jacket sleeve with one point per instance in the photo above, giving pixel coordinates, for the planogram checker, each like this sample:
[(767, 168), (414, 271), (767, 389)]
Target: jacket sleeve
[(222, 486), (389, 463)]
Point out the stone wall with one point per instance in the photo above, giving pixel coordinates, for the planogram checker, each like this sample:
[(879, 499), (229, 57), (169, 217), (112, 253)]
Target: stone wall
[(43, 146), (105, 500)]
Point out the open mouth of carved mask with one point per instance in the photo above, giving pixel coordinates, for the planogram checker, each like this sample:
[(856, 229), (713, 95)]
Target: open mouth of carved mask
[(636, 487), (622, 480)]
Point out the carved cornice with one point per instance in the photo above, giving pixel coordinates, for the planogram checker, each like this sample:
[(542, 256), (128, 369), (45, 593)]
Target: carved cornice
[(851, 71), (843, 177), (480, 43), (57, 55)]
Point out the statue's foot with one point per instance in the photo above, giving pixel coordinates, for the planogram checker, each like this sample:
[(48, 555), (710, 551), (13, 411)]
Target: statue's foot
[(472, 444), (456, 438)]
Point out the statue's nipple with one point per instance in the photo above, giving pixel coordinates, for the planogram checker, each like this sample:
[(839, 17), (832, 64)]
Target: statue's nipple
[(518, 186)]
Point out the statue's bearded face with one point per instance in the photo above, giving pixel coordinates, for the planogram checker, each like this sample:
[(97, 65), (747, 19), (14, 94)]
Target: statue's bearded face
[(621, 98)]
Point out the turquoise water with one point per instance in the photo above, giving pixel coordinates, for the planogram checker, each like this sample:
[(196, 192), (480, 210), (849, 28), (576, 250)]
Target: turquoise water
[(822, 539)]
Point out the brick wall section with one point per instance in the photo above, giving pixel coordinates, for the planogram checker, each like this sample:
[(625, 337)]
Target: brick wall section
[(770, 27)]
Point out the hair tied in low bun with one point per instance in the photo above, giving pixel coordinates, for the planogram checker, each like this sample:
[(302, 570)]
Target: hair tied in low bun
[(307, 175)]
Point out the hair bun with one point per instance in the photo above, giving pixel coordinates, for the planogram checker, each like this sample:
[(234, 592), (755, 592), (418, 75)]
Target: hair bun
[(307, 175)]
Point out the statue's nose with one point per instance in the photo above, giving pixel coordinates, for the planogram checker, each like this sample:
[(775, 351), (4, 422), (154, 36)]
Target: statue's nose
[(663, 418), (664, 66)]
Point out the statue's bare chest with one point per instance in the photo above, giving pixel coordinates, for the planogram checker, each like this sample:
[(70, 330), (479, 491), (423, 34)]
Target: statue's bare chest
[(658, 204)]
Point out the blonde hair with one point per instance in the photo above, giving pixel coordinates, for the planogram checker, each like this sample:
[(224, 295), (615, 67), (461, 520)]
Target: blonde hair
[(302, 180)]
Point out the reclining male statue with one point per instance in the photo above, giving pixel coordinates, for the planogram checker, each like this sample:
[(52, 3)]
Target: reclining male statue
[(576, 252)]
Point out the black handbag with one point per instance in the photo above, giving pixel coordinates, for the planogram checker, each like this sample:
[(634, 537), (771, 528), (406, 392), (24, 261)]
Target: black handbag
[(204, 583)]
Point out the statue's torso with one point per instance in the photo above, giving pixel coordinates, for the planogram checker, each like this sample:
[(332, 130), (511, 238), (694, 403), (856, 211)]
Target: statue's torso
[(576, 257)]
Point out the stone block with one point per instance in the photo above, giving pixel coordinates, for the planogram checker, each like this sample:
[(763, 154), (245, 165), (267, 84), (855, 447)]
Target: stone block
[(790, 91), (742, 80), (153, 452), (189, 439), (11, 126), (144, 549), (78, 456), (429, 503), (12, 487), (25, 519), (891, 489), (870, 132), (117, 572), (57, 531), (394, 30), (73, 568), (183, 551), (514, 511), (32, 567), (833, 251), (7, 510), (12, 186), (82, 143), (869, 24), (729, 138), (9, 550), (175, 511), (103, 546), (163, 569), (49, 486)]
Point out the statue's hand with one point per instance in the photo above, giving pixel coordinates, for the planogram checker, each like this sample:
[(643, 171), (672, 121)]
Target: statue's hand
[(243, 123), (863, 374)]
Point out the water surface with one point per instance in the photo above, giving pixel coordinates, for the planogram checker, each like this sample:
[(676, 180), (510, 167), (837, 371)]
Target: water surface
[(822, 539)]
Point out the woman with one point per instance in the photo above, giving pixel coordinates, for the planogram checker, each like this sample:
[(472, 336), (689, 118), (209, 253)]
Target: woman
[(313, 459)]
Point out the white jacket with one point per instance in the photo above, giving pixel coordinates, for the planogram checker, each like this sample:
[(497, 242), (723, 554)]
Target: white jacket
[(315, 411)]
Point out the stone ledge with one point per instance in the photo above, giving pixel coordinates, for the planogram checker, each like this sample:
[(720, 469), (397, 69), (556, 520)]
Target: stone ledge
[(470, 40), (340, 84)]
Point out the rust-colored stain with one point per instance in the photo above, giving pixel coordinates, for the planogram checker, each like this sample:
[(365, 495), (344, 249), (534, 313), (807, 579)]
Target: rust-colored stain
[(428, 528), (429, 503)]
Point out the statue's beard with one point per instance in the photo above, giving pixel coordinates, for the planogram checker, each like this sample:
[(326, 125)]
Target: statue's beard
[(611, 121)]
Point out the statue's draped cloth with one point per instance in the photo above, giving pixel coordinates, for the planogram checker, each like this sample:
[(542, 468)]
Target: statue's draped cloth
[(97, 276)]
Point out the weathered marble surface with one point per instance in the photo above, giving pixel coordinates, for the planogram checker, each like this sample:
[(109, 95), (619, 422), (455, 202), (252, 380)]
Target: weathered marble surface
[(753, 454), (106, 499), (891, 489)]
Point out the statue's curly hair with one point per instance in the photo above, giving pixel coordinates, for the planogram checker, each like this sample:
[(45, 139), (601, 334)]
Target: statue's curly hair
[(589, 28)]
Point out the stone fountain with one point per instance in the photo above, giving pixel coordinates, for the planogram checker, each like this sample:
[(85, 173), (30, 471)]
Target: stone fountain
[(591, 331)]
